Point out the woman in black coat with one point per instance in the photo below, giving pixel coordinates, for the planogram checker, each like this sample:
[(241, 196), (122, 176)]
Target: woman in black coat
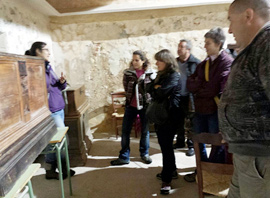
[(167, 86)]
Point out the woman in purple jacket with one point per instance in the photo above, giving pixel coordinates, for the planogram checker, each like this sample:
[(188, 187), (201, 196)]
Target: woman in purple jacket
[(207, 84), (55, 85)]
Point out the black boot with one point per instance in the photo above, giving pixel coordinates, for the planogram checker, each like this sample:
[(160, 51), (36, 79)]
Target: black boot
[(64, 169), (50, 171)]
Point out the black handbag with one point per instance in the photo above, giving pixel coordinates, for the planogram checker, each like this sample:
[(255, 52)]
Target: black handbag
[(158, 112)]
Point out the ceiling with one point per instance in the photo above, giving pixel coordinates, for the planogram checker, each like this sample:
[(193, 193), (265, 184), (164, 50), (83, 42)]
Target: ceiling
[(65, 6), (78, 7)]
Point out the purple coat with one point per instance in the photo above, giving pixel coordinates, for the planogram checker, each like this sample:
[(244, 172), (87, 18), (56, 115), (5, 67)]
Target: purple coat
[(54, 88), (203, 91)]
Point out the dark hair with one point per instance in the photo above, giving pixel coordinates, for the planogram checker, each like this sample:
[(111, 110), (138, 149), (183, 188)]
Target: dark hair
[(217, 35), (142, 57), (36, 45), (168, 58), (188, 42)]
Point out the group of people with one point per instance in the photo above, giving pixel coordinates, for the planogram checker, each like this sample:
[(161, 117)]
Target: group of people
[(190, 87), (218, 94)]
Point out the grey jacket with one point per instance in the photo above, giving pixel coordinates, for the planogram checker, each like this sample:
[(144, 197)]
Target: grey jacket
[(192, 63), (244, 109)]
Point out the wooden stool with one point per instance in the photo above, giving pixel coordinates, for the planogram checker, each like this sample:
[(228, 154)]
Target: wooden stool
[(59, 142), (24, 180)]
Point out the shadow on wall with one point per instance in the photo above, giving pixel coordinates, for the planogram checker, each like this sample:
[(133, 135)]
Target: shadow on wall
[(101, 120)]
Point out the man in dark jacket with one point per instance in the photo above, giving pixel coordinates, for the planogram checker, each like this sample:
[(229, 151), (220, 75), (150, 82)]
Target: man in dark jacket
[(244, 110), (187, 65)]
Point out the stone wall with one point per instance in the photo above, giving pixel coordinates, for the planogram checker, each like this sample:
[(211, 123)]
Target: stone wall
[(20, 26), (95, 49)]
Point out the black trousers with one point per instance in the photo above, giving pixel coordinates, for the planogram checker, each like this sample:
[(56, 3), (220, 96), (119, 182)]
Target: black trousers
[(180, 140), (165, 134)]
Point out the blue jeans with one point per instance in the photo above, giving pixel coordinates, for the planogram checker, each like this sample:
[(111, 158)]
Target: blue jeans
[(59, 117), (129, 117), (208, 123)]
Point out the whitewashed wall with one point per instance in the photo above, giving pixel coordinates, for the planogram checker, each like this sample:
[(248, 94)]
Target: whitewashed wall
[(20, 26)]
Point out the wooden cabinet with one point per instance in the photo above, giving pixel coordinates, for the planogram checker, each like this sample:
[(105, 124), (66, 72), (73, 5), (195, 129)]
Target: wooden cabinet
[(76, 118), (25, 122)]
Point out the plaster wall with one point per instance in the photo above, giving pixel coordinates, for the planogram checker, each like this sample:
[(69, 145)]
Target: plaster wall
[(20, 26), (95, 49)]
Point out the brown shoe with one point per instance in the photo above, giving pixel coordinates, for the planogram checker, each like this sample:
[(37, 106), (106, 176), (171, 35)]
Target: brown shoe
[(190, 177)]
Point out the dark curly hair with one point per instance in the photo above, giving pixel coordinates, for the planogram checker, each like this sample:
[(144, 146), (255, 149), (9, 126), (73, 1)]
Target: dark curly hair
[(142, 57)]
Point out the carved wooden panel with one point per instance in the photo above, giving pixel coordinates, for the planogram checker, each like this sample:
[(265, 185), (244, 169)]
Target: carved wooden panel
[(36, 81), (25, 122), (9, 95)]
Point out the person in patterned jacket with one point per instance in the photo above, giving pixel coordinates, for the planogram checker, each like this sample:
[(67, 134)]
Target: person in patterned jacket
[(244, 110), (136, 80)]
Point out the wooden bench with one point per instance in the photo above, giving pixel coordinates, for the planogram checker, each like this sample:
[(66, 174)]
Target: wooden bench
[(24, 181)]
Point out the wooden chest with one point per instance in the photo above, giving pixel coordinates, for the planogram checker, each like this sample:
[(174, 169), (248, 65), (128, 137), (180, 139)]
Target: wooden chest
[(76, 100), (76, 117), (25, 122)]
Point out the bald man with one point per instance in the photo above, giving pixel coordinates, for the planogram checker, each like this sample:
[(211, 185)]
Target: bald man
[(244, 110)]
